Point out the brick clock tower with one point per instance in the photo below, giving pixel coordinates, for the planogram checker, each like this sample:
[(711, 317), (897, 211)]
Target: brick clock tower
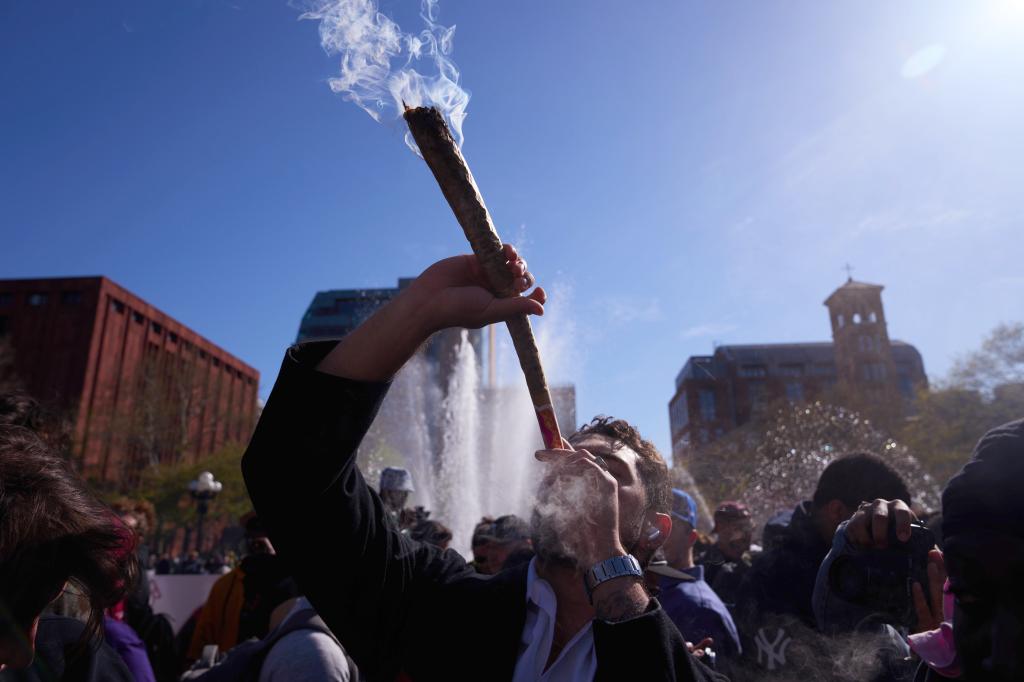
[(863, 353)]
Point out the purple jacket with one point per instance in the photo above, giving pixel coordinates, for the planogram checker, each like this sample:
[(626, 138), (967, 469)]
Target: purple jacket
[(129, 647)]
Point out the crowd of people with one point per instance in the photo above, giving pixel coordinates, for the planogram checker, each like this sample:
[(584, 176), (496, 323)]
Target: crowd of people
[(608, 579)]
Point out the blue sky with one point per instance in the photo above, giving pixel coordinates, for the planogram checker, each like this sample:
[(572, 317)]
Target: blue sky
[(683, 172)]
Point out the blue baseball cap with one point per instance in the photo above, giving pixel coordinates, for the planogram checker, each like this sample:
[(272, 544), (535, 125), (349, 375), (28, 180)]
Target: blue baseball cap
[(683, 507)]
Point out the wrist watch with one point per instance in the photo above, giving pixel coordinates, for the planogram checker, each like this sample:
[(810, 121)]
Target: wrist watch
[(616, 567)]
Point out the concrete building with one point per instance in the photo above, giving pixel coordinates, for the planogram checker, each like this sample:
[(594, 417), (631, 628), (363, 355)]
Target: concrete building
[(138, 385), (336, 312), (719, 392)]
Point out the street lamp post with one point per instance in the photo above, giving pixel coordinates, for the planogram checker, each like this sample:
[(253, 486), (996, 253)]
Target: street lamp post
[(203, 489)]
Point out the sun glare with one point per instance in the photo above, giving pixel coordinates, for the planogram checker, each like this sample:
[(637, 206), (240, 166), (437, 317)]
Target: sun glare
[(923, 61), (1001, 19), (1008, 11)]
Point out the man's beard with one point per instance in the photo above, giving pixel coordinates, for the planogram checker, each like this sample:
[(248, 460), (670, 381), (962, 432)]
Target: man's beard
[(547, 533)]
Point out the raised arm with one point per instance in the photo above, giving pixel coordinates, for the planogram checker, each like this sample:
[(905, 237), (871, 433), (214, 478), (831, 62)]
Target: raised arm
[(359, 572), (450, 293)]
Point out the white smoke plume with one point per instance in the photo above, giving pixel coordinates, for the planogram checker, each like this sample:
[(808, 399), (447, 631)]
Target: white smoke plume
[(378, 60)]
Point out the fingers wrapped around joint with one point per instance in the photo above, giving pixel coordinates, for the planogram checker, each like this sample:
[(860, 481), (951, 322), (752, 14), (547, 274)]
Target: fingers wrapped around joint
[(525, 282), (571, 457)]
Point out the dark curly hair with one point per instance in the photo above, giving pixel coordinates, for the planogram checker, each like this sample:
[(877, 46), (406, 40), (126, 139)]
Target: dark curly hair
[(650, 466), (53, 530)]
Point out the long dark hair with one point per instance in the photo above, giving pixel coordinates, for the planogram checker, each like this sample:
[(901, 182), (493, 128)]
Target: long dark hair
[(53, 530)]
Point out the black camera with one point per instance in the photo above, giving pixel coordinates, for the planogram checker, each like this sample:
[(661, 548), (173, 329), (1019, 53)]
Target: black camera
[(879, 581)]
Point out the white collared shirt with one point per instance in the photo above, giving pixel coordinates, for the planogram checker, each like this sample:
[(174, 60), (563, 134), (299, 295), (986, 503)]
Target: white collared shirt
[(577, 662)]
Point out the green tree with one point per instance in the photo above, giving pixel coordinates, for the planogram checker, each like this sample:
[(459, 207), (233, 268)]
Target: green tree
[(999, 362), (165, 485), (984, 389)]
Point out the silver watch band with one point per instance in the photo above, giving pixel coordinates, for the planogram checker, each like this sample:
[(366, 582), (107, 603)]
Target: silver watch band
[(616, 567)]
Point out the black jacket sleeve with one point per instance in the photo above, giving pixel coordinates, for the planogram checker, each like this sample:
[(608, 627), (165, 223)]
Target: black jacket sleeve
[(363, 576), (648, 647)]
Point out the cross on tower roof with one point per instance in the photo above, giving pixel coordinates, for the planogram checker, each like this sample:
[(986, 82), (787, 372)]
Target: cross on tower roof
[(849, 272)]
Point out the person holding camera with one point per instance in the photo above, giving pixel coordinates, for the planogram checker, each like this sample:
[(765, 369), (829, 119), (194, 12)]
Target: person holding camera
[(774, 611), (979, 635)]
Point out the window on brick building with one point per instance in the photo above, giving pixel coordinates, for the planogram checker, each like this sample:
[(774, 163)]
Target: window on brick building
[(874, 372), (37, 299), (4, 324), (707, 405), (753, 371), (679, 412), (172, 337), (6, 300), (156, 327), (757, 392), (791, 370), (840, 320), (117, 306), (71, 297), (794, 392), (872, 317), (137, 317), (823, 369)]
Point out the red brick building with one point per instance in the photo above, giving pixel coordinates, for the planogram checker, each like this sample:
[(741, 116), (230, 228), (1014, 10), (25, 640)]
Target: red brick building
[(720, 392), (139, 386)]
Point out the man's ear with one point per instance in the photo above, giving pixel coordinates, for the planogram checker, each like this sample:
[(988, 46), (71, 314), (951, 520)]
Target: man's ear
[(659, 526)]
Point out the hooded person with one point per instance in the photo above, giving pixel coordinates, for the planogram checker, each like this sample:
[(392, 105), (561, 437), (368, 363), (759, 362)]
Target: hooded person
[(577, 611), (236, 606)]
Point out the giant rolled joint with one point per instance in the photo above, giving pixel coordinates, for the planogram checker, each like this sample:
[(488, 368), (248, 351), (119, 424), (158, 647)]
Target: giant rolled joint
[(439, 150)]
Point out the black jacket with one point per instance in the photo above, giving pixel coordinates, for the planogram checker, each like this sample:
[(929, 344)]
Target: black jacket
[(396, 604), (63, 656)]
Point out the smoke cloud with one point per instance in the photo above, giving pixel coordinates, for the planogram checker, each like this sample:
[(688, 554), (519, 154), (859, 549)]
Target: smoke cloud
[(383, 69)]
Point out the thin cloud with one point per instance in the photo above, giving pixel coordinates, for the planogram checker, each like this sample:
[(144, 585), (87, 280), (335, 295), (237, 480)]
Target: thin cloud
[(627, 309), (707, 329), (912, 218)]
